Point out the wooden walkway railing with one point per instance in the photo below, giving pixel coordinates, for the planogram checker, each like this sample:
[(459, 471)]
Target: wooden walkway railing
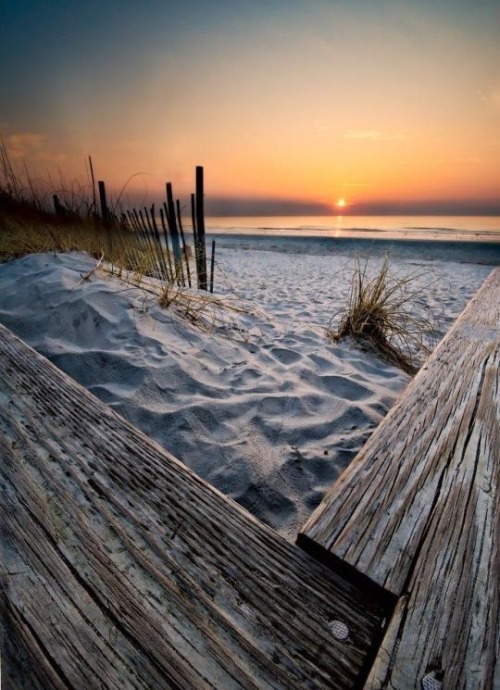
[(123, 569)]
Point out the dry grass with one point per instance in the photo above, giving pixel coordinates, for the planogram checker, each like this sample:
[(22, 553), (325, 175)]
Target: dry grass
[(387, 313), (126, 259), (19, 237), (29, 225), (205, 311), (30, 200), (201, 310), (28, 222)]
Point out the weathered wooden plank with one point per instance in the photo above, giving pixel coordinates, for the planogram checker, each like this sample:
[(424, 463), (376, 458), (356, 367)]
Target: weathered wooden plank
[(124, 569), (450, 626), (418, 511), (376, 514)]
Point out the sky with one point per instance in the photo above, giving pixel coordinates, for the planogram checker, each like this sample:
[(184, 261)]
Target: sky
[(291, 106)]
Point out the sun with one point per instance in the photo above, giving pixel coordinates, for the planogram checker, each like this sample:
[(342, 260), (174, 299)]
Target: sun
[(341, 203)]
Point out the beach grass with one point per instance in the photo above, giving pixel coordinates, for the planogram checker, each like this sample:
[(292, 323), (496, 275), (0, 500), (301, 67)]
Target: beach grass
[(39, 215), (31, 223), (381, 312)]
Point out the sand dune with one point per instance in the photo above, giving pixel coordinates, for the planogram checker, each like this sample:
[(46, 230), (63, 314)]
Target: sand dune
[(263, 406)]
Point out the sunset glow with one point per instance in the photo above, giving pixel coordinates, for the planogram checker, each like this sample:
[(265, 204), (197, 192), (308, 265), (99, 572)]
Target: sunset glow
[(395, 104)]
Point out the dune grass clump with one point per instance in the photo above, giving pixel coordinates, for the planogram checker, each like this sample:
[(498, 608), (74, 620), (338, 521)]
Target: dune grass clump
[(199, 309), (387, 313), (30, 222)]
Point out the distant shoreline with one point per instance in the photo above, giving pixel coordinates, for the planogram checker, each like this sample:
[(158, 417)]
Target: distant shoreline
[(432, 249)]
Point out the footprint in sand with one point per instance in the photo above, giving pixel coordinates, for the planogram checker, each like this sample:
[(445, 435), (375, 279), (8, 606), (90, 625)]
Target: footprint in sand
[(267, 503), (285, 356), (346, 388)]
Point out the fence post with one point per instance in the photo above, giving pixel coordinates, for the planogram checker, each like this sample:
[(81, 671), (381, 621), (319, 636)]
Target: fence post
[(58, 207), (106, 217), (184, 248), (195, 238), (201, 266), (212, 266), (171, 268), (174, 233), (159, 248), (103, 202)]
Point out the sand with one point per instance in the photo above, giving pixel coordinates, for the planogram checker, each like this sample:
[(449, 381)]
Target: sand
[(259, 403)]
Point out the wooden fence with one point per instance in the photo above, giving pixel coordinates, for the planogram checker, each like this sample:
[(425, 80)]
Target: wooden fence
[(160, 233)]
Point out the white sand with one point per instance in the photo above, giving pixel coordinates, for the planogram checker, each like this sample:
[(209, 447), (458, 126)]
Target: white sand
[(265, 408)]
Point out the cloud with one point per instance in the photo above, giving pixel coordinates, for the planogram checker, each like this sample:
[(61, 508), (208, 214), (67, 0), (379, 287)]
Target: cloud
[(33, 146), (257, 206), (361, 134), (491, 97), (52, 156), (464, 160), (494, 97), (356, 184), (23, 144), (431, 207), (370, 134)]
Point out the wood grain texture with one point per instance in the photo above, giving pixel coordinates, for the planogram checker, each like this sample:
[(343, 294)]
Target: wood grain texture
[(418, 511), (123, 569)]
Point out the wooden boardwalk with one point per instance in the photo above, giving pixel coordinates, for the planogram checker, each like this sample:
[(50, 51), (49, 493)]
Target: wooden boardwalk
[(418, 512), (123, 569)]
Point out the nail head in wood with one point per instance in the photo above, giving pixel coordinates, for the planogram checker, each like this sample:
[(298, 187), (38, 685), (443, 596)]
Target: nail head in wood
[(339, 630), (430, 682)]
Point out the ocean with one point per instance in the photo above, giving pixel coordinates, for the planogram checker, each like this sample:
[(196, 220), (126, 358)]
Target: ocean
[(464, 239), (452, 228)]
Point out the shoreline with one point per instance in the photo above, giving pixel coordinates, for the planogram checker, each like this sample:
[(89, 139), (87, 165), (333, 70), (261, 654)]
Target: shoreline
[(474, 251)]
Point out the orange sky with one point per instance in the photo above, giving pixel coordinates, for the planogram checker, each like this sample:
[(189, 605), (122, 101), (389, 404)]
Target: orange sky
[(393, 103)]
